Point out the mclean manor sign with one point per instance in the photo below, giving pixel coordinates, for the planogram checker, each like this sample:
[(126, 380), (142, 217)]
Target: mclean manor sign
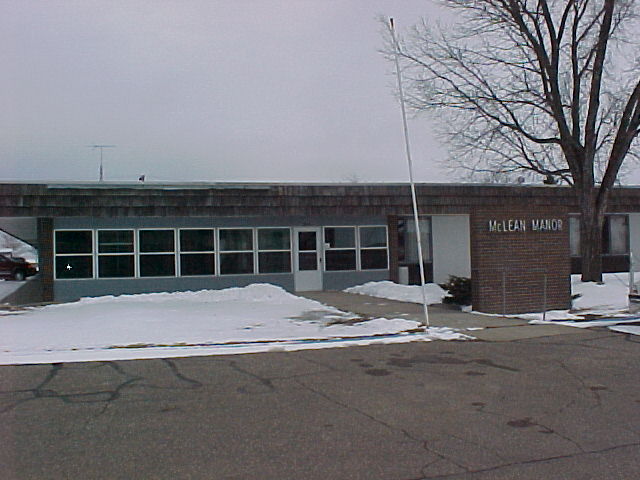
[(533, 225)]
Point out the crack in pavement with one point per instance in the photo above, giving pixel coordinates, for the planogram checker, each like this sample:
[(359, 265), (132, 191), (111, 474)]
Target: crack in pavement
[(264, 381), (423, 443), (534, 461), (43, 391), (585, 388), (323, 365), (180, 376), (527, 422)]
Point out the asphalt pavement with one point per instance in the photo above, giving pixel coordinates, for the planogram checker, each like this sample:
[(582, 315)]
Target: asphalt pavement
[(494, 328), (547, 407)]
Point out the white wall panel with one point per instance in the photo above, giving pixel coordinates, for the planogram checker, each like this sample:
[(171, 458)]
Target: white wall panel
[(451, 246)]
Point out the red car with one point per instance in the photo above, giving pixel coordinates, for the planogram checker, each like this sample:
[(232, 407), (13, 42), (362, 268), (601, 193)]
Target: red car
[(16, 268)]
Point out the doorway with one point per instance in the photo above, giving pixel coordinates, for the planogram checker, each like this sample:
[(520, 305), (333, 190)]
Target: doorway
[(307, 262)]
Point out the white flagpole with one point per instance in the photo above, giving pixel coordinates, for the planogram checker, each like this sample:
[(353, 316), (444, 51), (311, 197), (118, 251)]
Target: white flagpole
[(410, 164)]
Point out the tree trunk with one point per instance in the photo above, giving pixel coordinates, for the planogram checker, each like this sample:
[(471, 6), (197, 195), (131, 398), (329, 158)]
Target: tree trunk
[(591, 225)]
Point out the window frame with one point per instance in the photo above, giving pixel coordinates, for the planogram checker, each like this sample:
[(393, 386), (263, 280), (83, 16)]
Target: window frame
[(258, 250), (180, 252), (92, 255), (326, 248), (361, 248), (222, 252), (141, 253), (133, 253), (358, 248)]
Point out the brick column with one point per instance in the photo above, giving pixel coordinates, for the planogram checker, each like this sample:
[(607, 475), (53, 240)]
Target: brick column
[(45, 257), (512, 251)]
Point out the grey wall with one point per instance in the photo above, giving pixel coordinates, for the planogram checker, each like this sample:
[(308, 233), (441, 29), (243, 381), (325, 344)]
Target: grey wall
[(28, 293), (70, 290), (342, 280), (451, 246)]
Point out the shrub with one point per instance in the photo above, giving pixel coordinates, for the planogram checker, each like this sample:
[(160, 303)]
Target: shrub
[(459, 289)]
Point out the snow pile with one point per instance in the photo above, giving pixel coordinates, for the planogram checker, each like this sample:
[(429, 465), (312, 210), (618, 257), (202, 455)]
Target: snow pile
[(257, 292), (403, 293), (610, 297), (257, 318)]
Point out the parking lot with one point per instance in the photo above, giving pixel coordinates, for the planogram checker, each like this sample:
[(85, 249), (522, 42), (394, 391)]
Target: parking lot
[(562, 406)]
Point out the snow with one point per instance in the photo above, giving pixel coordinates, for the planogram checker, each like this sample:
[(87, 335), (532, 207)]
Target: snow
[(633, 329), (256, 318), (610, 297), (18, 247), (403, 293), (608, 302)]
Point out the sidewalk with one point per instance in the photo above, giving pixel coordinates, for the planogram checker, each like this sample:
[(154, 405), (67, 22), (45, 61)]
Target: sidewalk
[(494, 328)]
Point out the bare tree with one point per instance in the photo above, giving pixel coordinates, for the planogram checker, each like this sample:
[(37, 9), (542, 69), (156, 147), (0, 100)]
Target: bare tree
[(536, 88)]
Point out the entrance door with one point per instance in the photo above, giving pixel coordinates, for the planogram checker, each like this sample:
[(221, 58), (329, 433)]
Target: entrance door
[(307, 259)]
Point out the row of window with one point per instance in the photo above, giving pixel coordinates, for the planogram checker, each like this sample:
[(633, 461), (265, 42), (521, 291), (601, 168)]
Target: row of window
[(166, 252)]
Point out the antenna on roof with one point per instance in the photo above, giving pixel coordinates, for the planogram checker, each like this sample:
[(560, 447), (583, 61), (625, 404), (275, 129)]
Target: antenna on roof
[(101, 147)]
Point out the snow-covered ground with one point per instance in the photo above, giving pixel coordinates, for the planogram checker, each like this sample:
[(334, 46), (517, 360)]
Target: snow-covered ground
[(256, 318), (403, 293), (607, 303), (598, 305)]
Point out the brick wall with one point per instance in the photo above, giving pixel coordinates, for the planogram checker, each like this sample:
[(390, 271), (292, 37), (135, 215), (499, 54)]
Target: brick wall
[(509, 264), (45, 257)]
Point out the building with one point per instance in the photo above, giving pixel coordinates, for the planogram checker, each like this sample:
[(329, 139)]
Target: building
[(519, 244)]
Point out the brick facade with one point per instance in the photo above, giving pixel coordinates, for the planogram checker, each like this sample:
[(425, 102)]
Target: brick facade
[(508, 268), (45, 257)]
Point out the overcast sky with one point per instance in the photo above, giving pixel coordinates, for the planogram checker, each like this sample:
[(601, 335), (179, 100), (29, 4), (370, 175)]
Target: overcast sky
[(233, 90)]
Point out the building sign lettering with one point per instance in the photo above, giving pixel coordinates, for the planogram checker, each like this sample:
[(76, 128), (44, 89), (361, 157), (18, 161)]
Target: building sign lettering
[(519, 225)]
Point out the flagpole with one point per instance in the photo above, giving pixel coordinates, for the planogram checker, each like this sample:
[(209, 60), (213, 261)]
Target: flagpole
[(410, 164)]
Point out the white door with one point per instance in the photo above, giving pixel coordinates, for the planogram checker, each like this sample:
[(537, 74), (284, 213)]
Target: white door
[(307, 259)]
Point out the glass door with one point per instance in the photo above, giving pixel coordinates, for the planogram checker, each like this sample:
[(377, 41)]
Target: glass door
[(308, 259)]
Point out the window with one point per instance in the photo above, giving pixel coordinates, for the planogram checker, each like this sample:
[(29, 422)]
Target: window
[(197, 252), (340, 248), (274, 250), (73, 254), (574, 235), (408, 245), (615, 235), (307, 250), (157, 253), (236, 251), (115, 254), (373, 248)]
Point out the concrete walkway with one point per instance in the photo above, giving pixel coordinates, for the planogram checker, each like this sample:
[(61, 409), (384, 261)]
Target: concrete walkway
[(494, 328)]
